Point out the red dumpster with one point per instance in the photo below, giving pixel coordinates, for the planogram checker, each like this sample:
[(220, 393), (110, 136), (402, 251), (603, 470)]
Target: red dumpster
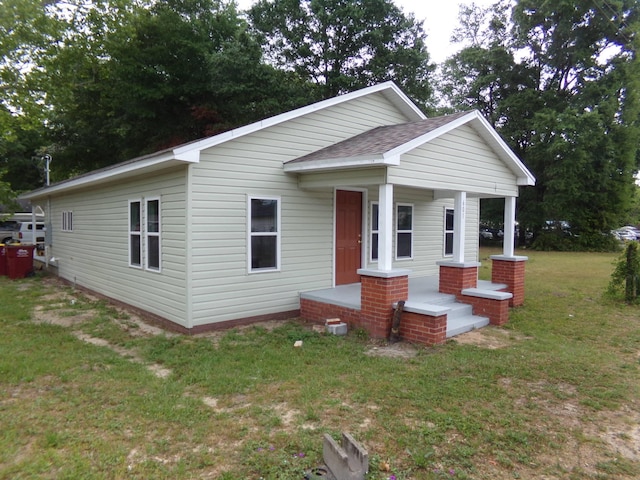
[(3, 259), (19, 260)]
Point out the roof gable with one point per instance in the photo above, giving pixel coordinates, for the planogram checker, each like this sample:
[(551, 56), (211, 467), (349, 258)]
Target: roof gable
[(385, 145)]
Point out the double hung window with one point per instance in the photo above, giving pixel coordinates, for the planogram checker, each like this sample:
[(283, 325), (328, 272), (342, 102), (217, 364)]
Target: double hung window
[(153, 234), (404, 231), (264, 234), (448, 231), (144, 234)]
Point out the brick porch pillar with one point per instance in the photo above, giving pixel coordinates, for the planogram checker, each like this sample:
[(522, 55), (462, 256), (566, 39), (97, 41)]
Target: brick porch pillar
[(455, 277), (510, 271), (380, 289)]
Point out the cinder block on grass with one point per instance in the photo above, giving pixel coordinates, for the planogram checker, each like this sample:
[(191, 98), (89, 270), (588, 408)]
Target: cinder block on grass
[(349, 462)]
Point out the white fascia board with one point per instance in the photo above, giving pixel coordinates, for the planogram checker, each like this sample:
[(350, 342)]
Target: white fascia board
[(341, 163), (106, 174), (388, 89)]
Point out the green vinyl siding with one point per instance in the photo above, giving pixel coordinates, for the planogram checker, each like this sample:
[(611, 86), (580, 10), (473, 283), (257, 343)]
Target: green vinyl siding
[(252, 166), (96, 254), (459, 160)]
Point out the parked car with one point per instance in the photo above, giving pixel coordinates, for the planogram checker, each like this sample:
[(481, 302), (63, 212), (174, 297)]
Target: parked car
[(486, 234), (24, 234), (624, 234), (632, 231), (7, 230)]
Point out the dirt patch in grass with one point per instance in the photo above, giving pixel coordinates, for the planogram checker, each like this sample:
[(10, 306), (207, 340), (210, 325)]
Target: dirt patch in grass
[(489, 337), (394, 350)]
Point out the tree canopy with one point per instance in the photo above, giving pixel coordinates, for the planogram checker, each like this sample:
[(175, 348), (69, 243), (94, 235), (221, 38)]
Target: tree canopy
[(105, 81), (94, 82), (559, 80), (343, 45)]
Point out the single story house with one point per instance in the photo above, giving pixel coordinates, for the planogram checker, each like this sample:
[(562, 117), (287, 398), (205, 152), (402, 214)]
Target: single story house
[(360, 192)]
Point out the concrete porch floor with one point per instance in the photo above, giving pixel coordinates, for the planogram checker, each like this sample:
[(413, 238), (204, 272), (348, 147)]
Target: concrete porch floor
[(422, 290)]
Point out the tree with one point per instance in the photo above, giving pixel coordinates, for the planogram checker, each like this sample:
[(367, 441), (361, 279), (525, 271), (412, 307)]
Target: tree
[(560, 84), (120, 78), (343, 45)]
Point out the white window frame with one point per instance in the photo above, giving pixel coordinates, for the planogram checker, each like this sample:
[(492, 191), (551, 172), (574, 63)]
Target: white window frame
[(148, 234), (398, 231), (67, 221), (447, 232), (137, 233), (374, 232), (277, 234)]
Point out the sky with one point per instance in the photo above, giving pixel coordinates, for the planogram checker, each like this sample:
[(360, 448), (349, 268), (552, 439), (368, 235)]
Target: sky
[(440, 18)]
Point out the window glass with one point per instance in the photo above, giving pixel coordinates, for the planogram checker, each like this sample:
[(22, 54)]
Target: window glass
[(153, 252), (449, 220), (153, 216), (404, 245), (263, 215), (134, 216), (134, 257), (405, 217), (263, 252)]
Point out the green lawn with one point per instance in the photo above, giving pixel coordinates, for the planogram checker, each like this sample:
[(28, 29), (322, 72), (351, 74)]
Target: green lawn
[(557, 398)]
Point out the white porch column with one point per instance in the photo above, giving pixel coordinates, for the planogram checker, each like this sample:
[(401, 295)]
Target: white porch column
[(385, 227), (459, 223), (509, 226)]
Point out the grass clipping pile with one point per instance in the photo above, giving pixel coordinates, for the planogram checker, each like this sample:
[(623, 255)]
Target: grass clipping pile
[(619, 431)]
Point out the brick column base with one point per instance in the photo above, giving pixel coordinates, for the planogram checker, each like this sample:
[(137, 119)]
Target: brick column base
[(423, 329), (379, 291), (455, 277), (510, 271)]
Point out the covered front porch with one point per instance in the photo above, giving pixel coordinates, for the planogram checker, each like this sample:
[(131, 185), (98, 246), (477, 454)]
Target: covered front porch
[(424, 295), (425, 180)]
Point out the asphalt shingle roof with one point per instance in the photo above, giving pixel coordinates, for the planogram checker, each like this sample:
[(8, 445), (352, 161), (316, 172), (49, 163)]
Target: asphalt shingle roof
[(379, 140)]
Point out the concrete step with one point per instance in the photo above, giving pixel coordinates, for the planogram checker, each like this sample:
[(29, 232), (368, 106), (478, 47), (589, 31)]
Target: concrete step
[(457, 310), (463, 324)]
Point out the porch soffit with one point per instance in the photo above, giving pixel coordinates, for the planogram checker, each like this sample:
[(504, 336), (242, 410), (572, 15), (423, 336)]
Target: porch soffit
[(383, 146)]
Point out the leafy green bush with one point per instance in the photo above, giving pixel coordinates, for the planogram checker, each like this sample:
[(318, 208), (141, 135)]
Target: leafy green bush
[(625, 279)]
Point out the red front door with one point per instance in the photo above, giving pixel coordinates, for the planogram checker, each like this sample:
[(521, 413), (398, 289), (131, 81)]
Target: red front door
[(348, 236)]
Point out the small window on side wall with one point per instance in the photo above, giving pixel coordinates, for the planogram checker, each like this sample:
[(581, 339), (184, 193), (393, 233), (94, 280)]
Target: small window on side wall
[(448, 231), (404, 231), (264, 234), (67, 221)]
